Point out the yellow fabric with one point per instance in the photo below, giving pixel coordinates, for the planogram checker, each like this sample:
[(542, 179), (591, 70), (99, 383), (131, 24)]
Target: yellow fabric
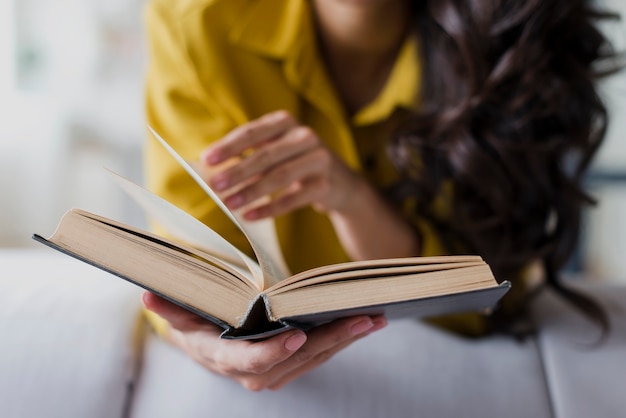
[(159, 325), (215, 64)]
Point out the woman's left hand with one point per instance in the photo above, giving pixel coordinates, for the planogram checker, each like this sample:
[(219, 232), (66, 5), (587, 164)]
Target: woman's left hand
[(259, 364)]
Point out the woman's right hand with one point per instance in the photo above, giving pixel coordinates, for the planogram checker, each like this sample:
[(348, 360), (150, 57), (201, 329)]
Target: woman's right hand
[(265, 364)]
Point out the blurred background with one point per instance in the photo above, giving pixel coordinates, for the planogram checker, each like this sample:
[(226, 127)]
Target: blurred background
[(71, 103)]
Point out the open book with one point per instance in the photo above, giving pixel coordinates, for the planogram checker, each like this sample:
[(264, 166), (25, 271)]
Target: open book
[(201, 271)]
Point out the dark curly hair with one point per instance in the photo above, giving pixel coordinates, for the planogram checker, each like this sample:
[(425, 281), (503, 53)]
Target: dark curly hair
[(510, 118)]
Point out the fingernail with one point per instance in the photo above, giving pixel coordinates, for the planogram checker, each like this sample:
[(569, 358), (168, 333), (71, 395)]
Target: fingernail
[(219, 182), (235, 201), (361, 326), (252, 215), (210, 157), (379, 323), (295, 341)]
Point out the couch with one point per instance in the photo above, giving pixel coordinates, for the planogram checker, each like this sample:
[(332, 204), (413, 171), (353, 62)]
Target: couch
[(72, 344)]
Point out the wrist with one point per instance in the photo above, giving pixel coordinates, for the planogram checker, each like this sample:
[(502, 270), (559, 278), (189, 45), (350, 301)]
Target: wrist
[(369, 227), (359, 195)]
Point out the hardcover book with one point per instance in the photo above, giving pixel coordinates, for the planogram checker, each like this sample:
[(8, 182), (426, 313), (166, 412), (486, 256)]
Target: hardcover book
[(201, 271)]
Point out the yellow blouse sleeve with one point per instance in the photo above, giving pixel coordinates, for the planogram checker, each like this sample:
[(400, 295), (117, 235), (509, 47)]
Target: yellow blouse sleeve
[(158, 324)]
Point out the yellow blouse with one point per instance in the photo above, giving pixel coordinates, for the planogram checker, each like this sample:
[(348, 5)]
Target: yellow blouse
[(216, 64)]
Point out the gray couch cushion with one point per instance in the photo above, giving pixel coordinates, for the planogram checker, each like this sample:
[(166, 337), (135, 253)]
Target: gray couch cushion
[(66, 332), (405, 370), (584, 380)]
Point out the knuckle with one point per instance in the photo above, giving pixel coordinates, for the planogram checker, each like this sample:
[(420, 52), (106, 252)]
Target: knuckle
[(303, 356), (324, 357), (221, 364), (225, 369), (205, 358), (282, 115), (254, 365), (321, 187), (281, 206), (323, 157), (262, 157), (253, 384), (247, 131), (305, 135), (280, 175)]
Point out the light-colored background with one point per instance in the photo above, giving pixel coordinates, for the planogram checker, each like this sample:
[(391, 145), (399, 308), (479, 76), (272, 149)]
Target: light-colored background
[(71, 84)]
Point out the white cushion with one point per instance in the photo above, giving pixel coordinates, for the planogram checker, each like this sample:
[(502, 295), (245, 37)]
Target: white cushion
[(66, 333), (585, 379), (405, 370)]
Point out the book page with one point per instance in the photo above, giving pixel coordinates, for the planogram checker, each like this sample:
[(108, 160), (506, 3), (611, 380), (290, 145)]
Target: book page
[(261, 234), (331, 277), (185, 227), (381, 265)]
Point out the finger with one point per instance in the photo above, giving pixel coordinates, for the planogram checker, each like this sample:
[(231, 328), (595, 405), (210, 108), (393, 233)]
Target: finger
[(248, 136), (319, 340), (177, 317), (380, 322), (251, 359), (310, 164), (233, 356), (328, 336), (292, 143), (314, 363), (298, 195)]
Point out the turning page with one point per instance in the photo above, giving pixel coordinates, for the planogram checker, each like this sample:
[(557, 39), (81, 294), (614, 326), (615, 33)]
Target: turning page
[(261, 234), (185, 227)]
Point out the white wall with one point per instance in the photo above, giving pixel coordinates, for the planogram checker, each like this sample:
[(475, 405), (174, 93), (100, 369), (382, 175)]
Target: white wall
[(70, 103), (604, 237), (612, 155)]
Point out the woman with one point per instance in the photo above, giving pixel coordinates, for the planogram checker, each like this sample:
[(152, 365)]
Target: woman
[(376, 129)]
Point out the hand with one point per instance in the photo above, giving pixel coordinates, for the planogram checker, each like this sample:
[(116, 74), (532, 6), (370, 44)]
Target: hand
[(258, 365), (276, 158)]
